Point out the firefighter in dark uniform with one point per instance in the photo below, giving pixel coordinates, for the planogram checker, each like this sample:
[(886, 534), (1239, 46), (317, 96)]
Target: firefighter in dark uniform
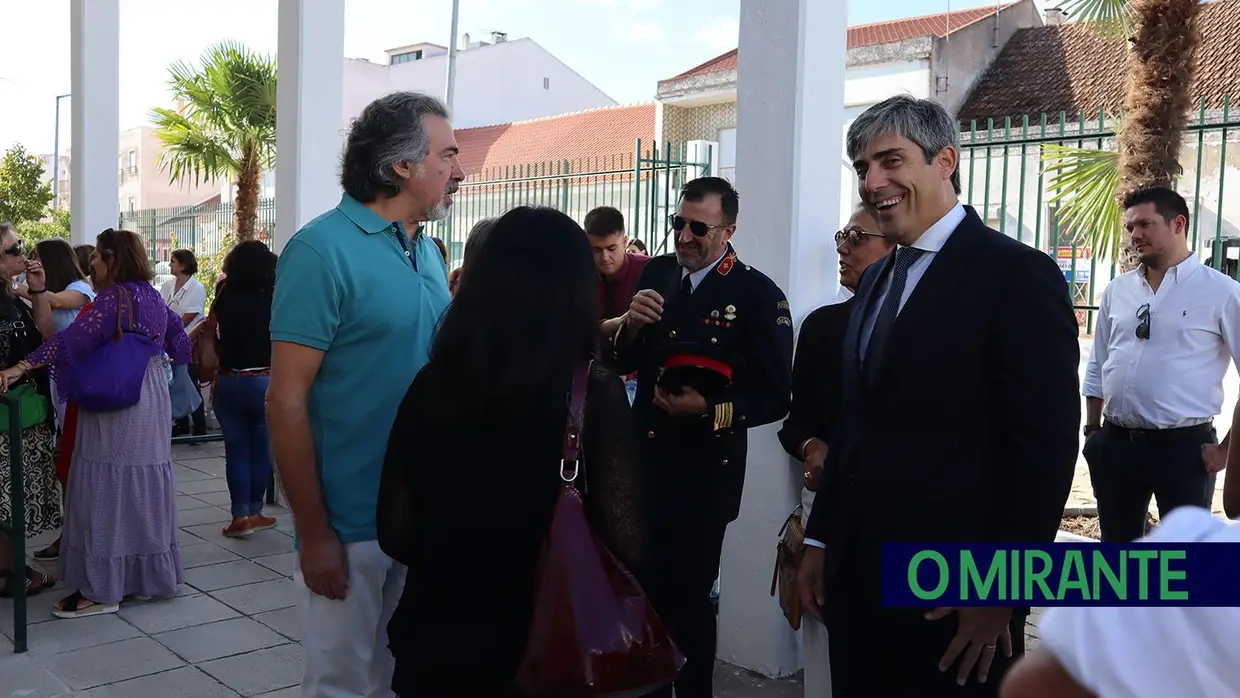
[(711, 340)]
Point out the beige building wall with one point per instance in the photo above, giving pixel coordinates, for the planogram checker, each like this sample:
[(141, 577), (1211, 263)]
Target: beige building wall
[(142, 185), (682, 124)]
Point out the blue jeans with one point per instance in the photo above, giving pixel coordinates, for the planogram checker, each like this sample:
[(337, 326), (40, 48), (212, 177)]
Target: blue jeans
[(240, 405)]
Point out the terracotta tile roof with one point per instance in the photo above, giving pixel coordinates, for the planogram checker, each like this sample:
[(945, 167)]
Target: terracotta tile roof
[(589, 134), (1068, 67), (871, 35)]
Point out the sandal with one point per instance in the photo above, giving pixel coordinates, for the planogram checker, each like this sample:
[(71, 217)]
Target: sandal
[(71, 607), (36, 582), (49, 554)]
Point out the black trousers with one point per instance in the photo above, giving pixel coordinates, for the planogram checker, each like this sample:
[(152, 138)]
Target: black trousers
[(199, 416), (879, 652), (685, 562), (1127, 467)]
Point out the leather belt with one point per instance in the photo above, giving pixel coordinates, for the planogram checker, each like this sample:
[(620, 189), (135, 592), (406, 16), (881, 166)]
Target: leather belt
[(1157, 435)]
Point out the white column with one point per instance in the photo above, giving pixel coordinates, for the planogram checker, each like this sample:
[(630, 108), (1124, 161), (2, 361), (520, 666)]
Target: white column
[(95, 108), (790, 88), (308, 105)]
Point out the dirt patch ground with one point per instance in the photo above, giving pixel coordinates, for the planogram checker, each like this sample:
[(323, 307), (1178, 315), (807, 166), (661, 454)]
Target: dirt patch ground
[(1088, 525)]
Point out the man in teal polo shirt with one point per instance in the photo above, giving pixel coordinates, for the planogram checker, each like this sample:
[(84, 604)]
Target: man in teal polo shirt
[(358, 296)]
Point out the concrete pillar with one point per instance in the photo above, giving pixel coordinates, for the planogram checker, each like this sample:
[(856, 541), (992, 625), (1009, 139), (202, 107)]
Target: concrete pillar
[(308, 99), (790, 89), (95, 108)]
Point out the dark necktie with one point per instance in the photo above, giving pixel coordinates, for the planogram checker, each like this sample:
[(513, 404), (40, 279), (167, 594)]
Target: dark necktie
[(891, 305), (686, 287)]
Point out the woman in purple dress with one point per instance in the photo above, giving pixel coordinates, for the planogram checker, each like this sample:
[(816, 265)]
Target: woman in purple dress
[(120, 530)]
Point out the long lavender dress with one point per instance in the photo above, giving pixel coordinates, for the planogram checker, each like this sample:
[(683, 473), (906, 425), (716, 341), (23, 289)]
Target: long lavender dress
[(120, 530)]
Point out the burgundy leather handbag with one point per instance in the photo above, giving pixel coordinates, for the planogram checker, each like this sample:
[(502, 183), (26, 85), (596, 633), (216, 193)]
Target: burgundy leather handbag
[(594, 634)]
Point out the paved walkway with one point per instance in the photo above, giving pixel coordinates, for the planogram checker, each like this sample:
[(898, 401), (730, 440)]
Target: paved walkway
[(232, 631)]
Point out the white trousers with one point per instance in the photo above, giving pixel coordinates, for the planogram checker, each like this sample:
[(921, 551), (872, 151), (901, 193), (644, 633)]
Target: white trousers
[(345, 642), (814, 635)]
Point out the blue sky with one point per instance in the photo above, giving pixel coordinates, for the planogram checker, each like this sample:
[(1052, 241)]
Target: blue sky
[(623, 46)]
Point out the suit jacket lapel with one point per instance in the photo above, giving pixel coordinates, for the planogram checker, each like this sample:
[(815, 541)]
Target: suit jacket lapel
[(948, 269), (851, 357)]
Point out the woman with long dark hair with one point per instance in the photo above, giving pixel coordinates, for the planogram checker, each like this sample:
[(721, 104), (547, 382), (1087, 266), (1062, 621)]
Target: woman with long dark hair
[(242, 313), (473, 460)]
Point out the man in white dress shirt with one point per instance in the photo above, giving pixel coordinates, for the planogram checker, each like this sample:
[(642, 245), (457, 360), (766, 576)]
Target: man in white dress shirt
[(1166, 332), (1141, 652)]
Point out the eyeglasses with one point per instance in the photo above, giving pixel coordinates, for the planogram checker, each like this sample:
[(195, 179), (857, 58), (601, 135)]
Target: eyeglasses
[(853, 236), (698, 228), (15, 250), (1143, 326)]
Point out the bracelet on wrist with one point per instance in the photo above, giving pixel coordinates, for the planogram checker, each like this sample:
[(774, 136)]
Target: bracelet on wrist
[(35, 292)]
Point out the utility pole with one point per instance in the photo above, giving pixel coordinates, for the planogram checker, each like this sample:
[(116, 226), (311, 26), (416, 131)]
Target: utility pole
[(56, 158), (456, 18)]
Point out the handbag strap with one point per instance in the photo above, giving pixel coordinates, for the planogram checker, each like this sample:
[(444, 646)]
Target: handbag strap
[(571, 459)]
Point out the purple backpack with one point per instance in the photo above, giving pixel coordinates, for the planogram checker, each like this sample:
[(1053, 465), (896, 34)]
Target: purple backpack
[(111, 377)]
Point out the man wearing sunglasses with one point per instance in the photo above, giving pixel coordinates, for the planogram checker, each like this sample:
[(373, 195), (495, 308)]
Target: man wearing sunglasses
[(702, 314), (1166, 333)]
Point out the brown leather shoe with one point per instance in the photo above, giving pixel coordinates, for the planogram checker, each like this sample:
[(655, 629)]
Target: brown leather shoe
[(239, 528), (258, 522)]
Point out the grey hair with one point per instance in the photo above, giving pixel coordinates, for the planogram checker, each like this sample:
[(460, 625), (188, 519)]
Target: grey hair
[(922, 121), (389, 131)]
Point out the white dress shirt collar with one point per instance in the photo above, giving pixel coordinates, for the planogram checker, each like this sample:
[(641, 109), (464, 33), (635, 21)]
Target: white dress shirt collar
[(936, 235), (695, 278)]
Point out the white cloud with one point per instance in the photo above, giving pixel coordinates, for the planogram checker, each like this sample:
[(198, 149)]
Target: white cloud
[(719, 35), (647, 33)]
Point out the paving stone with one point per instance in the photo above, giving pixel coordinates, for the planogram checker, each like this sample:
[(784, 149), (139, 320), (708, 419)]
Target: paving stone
[(210, 517), (182, 474), (202, 643), (174, 614), (215, 484), (260, 597), (290, 692), (186, 682), (186, 502), (38, 609), (228, 574), (21, 676), (259, 544), (222, 500), (67, 635), (205, 554), (284, 563), (259, 672), (118, 661), (286, 621), (186, 538)]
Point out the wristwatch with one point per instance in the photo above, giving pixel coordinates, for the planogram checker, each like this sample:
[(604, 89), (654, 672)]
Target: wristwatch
[(1090, 430)]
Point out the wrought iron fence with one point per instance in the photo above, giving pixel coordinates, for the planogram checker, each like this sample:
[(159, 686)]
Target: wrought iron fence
[(642, 185), (1003, 177), (203, 228)]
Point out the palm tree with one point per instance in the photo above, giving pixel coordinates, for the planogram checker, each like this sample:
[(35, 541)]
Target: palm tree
[(1089, 184), (227, 126)]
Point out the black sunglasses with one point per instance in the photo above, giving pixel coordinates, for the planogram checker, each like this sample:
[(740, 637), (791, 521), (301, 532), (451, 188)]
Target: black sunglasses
[(1143, 327), (698, 228), (15, 250), (853, 236)]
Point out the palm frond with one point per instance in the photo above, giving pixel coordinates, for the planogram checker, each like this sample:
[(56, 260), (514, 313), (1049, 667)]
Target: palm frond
[(1111, 18), (1085, 182), (228, 109)]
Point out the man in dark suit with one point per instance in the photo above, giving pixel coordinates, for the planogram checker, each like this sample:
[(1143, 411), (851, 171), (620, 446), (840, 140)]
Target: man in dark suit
[(958, 417), (711, 340)]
